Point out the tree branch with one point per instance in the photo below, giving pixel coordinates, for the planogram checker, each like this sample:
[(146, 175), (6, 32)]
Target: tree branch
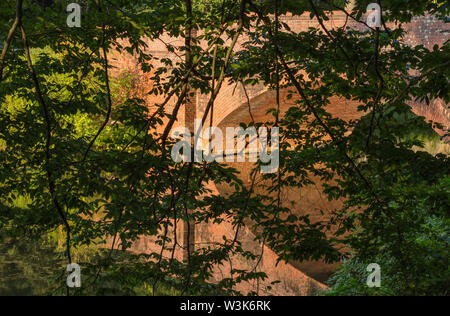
[(52, 185), (11, 32)]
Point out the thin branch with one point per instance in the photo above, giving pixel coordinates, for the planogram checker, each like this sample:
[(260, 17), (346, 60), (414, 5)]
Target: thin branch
[(319, 19), (315, 113), (227, 60), (51, 181), (380, 86), (11, 32), (347, 14), (108, 91), (416, 80)]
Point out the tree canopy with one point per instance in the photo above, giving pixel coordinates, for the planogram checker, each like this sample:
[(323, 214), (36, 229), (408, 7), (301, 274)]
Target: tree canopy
[(92, 160)]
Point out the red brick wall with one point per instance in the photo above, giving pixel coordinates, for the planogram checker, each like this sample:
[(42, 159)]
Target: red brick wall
[(231, 108)]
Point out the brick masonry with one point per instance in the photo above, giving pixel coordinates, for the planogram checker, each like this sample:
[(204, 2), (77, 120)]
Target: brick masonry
[(230, 109)]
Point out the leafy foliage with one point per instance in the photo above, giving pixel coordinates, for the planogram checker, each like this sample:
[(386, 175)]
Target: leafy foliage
[(93, 160)]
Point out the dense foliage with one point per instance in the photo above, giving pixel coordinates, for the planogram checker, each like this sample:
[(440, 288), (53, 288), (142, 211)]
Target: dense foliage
[(93, 161)]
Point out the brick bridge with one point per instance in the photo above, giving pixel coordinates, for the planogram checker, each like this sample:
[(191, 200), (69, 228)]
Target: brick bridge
[(231, 108)]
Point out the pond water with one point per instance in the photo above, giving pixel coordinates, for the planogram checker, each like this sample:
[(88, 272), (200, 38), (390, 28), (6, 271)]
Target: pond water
[(27, 267)]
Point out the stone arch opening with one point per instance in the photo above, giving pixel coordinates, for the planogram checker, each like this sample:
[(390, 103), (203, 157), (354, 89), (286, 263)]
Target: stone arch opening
[(307, 200)]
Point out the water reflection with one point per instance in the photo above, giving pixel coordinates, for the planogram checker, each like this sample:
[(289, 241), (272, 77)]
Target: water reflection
[(27, 267)]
